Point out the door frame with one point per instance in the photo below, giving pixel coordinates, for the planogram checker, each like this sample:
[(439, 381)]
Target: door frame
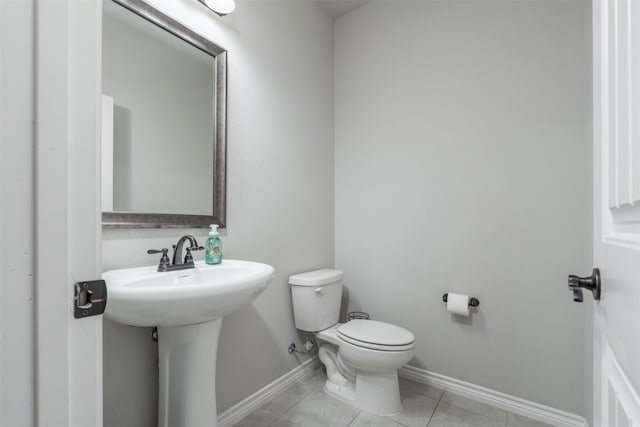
[(68, 359)]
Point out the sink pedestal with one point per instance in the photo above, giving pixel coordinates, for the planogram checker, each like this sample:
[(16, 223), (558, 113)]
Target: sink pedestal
[(187, 363), (190, 305)]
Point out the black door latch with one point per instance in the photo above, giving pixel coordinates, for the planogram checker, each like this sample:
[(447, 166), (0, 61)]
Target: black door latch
[(90, 298)]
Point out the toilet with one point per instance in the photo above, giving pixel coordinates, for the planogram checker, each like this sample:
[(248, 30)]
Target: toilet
[(361, 357)]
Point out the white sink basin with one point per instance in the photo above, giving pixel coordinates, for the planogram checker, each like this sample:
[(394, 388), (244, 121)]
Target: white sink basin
[(143, 296)]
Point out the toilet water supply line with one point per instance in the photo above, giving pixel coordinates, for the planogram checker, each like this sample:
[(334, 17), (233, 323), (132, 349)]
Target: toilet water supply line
[(308, 347)]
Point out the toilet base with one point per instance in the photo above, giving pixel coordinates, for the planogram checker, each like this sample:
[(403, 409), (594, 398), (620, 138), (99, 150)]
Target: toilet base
[(345, 393), (377, 394)]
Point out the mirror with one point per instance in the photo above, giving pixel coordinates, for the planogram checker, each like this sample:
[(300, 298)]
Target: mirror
[(164, 117)]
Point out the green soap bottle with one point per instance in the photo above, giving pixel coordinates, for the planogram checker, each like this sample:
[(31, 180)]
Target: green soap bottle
[(213, 246)]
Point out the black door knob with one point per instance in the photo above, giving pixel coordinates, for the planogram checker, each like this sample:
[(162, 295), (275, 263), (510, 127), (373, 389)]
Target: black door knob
[(591, 283)]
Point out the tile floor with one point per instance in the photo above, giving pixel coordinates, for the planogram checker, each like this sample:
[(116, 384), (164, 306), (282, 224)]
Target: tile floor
[(305, 404)]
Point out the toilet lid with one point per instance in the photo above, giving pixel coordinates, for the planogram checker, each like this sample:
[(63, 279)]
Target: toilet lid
[(376, 335)]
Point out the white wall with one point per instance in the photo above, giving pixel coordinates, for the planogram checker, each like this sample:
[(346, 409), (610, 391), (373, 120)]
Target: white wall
[(280, 198), (462, 132)]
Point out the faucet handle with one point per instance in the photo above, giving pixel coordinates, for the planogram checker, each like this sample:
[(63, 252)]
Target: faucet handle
[(164, 259), (157, 251), (188, 259)]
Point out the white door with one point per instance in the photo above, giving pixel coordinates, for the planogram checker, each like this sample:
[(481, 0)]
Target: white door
[(616, 45), (68, 359)]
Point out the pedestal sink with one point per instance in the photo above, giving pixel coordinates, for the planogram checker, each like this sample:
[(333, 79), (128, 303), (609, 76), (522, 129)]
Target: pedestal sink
[(187, 307)]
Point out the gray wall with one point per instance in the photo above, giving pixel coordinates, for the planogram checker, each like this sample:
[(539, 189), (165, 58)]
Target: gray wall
[(280, 199), (455, 124), (462, 132)]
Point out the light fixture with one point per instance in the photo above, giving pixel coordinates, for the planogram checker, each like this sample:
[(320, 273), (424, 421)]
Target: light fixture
[(221, 7)]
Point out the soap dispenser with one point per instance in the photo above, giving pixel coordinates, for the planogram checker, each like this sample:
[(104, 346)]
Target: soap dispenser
[(213, 247)]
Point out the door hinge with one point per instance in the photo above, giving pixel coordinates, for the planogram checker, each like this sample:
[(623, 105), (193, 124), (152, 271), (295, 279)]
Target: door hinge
[(90, 298)]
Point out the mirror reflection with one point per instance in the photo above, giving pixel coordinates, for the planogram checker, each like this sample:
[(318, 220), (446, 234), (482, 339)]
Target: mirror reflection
[(159, 118)]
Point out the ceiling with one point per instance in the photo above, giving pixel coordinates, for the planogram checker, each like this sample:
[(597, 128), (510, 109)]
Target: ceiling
[(338, 8)]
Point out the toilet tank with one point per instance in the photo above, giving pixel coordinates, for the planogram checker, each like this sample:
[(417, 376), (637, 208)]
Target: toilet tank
[(316, 296)]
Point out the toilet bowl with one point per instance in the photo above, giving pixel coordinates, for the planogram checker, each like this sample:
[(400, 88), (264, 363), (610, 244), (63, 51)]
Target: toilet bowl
[(361, 357)]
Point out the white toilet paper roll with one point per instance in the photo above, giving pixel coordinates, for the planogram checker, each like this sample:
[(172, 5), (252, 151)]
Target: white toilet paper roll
[(458, 304)]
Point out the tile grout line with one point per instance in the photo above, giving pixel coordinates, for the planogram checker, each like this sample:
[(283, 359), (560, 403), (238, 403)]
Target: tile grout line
[(304, 396), (296, 403), (435, 408), (353, 419)]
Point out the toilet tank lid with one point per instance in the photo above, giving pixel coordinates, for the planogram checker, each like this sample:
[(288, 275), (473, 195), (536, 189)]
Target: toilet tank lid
[(316, 278)]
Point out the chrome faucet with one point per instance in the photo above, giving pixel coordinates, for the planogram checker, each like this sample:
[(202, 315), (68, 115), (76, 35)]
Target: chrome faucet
[(178, 263)]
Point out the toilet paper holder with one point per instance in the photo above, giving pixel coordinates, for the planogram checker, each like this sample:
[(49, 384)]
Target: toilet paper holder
[(473, 302)]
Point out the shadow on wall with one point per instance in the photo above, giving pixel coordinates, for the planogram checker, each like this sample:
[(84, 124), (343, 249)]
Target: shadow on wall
[(130, 376), (344, 307)]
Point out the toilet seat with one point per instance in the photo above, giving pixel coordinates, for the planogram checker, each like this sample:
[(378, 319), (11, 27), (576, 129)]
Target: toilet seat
[(376, 335)]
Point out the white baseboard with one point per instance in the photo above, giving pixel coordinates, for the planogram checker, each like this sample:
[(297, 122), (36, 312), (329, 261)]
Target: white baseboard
[(257, 399), (500, 400)]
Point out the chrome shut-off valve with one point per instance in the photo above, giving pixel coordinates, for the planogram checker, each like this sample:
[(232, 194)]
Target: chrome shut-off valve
[(591, 283)]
